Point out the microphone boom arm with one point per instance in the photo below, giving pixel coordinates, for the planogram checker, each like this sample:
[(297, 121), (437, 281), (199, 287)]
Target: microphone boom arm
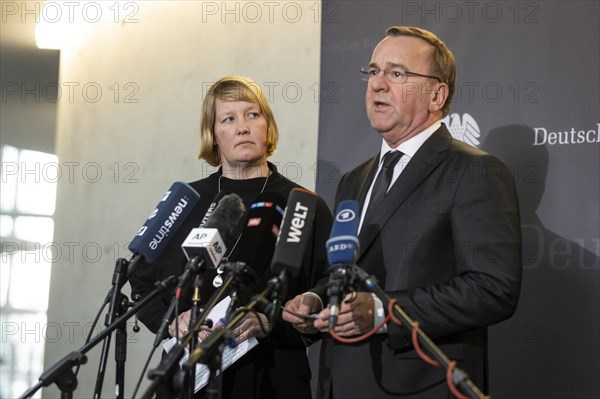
[(168, 363), (209, 351), (61, 371), (459, 377)]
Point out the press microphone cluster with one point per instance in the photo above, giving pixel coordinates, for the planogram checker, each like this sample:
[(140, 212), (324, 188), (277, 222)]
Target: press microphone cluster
[(291, 243), (206, 245), (274, 240), (342, 252)]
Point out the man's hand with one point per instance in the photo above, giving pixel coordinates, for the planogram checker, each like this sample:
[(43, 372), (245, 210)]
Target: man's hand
[(305, 304), (356, 315)]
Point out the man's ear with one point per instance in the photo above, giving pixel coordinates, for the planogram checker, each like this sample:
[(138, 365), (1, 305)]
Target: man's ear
[(439, 98)]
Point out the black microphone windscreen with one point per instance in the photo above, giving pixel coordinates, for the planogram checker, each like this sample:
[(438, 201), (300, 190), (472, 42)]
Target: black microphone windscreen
[(226, 216), (257, 241), (163, 222), (261, 227), (296, 232), (212, 206)]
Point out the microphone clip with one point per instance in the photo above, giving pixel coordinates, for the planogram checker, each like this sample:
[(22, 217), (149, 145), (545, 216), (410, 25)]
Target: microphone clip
[(242, 273), (339, 280), (269, 301), (337, 288)]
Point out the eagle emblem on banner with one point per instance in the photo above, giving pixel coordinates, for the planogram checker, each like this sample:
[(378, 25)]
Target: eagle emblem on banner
[(464, 129)]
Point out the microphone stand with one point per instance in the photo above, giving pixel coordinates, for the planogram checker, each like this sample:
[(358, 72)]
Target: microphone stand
[(337, 287), (195, 315), (195, 266), (166, 368), (117, 306), (61, 372), (459, 377), (209, 352)]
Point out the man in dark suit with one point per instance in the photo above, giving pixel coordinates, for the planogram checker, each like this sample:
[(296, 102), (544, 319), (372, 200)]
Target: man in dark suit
[(442, 237)]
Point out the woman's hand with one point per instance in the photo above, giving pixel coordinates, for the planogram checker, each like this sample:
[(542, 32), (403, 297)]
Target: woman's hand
[(253, 324), (184, 325)]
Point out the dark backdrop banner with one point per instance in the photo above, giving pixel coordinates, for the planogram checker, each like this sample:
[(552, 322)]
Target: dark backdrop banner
[(528, 90)]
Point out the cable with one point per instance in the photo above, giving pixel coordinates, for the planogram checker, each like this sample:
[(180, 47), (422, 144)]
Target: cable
[(89, 336), (361, 337), (415, 340), (137, 386)]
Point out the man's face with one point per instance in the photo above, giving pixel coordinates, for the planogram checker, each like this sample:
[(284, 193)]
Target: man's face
[(400, 111)]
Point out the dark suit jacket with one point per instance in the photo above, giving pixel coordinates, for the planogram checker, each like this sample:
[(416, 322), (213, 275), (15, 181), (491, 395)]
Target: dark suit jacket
[(446, 244)]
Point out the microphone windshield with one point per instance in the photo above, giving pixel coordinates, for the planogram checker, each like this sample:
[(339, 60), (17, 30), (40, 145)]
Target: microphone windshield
[(296, 231), (212, 206), (226, 216), (170, 213), (261, 228), (257, 242), (342, 246)]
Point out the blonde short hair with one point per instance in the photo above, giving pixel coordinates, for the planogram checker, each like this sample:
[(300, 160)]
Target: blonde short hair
[(232, 88)]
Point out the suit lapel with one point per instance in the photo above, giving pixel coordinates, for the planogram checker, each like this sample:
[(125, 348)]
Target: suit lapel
[(427, 158), (364, 180)]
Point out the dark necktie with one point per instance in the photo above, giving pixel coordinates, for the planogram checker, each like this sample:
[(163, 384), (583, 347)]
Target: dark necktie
[(384, 178)]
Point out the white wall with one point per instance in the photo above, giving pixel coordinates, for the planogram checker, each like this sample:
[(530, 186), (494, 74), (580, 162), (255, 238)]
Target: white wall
[(118, 157)]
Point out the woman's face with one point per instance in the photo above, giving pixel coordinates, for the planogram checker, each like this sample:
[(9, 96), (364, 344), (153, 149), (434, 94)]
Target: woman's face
[(241, 134)]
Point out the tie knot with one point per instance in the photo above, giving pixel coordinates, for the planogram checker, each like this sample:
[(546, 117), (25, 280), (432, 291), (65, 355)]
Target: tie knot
[(391, 158)]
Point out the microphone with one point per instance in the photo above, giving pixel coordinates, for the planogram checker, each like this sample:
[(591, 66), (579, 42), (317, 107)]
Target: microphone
[(212, 206), (162, 224), (342, 251), (257, 242), (153, 237), (295, 233), (207, 243)]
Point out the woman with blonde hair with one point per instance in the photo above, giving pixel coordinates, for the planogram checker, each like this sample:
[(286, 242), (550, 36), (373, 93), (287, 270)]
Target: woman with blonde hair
[(238, 134)]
